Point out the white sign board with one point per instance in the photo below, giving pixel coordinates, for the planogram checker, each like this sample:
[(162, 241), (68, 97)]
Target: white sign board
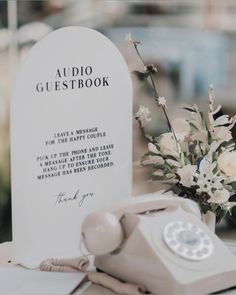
[(71, 121)]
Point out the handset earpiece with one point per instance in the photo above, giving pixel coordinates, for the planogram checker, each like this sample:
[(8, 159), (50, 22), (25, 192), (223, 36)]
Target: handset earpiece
[(102, 233)]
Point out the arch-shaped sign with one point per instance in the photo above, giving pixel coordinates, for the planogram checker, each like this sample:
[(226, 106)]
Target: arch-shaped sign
[(71, 121)]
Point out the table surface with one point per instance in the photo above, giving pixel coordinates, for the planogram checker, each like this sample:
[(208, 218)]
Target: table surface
[(228, 235)]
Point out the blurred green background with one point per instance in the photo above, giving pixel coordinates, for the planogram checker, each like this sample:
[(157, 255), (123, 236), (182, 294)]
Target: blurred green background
[(192, 43)]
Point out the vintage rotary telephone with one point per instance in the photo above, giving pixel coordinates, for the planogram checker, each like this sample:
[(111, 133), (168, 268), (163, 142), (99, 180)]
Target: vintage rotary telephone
[(159, 242)]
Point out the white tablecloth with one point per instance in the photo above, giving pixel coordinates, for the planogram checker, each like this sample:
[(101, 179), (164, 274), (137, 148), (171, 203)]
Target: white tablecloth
[(52, 283)]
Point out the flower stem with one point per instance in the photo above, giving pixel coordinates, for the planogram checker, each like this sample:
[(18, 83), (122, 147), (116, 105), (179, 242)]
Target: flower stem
[(163, 107), (137, 51), (156, 95), (144, 134)]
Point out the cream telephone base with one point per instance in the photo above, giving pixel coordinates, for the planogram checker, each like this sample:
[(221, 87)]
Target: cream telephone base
[(159, 242)]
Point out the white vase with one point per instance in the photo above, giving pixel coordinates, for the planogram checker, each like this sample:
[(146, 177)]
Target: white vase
[(210, 220)]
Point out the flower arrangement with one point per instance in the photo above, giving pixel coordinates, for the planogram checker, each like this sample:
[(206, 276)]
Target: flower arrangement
[(197, 157)]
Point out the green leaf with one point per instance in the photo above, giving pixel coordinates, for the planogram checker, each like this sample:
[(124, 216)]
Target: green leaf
[(232, 198), (187, 161), (153, 166), (159, 177), (189, 109), (167, 190), (233, 185), (210, 140), (220, 214), (193, 126), (202, 117), (150, 154), (140, 75), (192, 147), (170, 157), (149, 137), (214, 157), (176, 189), (228, 143), (215, 170)]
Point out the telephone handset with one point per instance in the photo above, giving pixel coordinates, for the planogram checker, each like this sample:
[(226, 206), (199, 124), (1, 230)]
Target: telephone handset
[(159, 242), (106, 224)]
